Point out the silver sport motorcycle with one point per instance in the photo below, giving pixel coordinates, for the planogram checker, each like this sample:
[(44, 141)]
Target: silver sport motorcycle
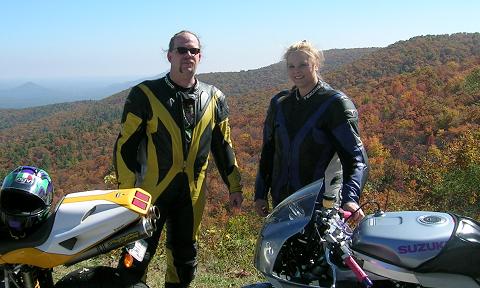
[(304, 243)]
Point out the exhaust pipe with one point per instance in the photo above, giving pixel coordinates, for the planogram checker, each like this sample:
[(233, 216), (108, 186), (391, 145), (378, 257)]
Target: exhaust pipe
[(143, 228), (153, 215)]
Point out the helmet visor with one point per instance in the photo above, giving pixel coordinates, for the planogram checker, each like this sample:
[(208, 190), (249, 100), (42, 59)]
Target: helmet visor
[(17, 223), (15, 202)]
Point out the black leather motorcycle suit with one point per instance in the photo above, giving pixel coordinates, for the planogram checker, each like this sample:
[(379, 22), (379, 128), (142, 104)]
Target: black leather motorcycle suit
[(163, 147), (301, 137)]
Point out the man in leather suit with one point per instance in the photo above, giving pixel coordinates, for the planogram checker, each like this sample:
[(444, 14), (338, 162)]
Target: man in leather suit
[(169, 127)]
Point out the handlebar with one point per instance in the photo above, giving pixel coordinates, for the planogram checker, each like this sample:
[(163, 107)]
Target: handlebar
[(335, 235), (346, 214), (362, 277)]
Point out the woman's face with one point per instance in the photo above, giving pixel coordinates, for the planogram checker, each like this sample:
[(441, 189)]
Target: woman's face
[(301, 69)]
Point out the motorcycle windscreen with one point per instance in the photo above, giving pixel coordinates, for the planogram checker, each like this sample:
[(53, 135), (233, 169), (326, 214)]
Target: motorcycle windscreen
[(286, 220)]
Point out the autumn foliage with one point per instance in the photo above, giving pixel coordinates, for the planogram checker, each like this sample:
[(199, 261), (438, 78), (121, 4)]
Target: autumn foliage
[(419, 107)]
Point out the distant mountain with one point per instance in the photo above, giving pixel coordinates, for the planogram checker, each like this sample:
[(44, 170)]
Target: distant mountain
[(117, 87), (231, 83), (28, 86), (30, 94)]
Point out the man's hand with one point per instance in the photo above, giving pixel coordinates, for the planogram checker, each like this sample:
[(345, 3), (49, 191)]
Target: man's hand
[(261, 206), (352, 207), (236, 200)]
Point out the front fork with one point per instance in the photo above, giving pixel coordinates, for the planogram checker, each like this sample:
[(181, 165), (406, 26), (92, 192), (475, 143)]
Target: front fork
[(332, 266)]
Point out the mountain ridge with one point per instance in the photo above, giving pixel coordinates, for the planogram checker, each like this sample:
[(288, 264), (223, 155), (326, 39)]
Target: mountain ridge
[(16, 97), (393, 118)]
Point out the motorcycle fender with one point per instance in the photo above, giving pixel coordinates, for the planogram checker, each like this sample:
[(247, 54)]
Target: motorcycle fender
[(135, 199)]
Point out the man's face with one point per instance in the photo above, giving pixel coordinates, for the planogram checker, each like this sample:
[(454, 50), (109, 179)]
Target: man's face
[(184, 61)]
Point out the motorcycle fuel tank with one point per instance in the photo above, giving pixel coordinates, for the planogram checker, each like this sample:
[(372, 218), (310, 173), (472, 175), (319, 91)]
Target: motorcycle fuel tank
[(406, 239)]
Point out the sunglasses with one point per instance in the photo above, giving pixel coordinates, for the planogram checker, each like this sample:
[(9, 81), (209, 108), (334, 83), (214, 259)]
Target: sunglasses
[(184, 50)]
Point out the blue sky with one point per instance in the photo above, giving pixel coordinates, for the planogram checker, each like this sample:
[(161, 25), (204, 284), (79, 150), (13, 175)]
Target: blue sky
[(103, 38)]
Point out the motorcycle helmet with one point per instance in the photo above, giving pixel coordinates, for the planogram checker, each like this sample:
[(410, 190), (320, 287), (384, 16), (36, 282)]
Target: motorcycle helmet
[(26, 199)]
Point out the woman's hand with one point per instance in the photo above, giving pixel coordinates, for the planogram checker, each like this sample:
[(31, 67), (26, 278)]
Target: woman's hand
[(261, 206), (352, 207)]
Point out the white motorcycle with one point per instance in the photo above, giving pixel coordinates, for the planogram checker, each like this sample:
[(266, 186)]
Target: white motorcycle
[(84, 225), (307, 244)]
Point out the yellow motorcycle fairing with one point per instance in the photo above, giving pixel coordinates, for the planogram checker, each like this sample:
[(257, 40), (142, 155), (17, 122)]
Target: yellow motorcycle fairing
[(48, 254)]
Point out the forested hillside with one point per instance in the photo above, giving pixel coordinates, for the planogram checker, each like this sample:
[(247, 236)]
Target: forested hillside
[(408, 56), (274, 76), (74, 140), (414, 97), (419, 107)]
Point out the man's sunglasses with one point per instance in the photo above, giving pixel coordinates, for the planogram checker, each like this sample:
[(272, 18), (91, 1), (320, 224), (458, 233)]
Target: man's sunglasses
[(184, 50)]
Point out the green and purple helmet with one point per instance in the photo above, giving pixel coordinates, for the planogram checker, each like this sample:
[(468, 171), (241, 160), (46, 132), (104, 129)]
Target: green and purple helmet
[(25, 199)]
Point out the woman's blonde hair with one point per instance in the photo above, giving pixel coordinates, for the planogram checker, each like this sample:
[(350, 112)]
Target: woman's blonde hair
[(307, 48)]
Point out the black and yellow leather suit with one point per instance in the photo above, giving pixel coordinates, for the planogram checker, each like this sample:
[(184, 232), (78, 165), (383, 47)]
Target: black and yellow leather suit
[(166, 136)]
